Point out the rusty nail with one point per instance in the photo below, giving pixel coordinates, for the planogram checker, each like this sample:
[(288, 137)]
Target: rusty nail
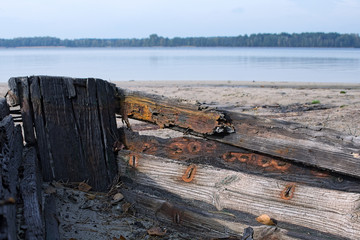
[(189, 173), (229, 157), (194, 147), (176, 148), (133, 160), (288, 192), (244, 157)]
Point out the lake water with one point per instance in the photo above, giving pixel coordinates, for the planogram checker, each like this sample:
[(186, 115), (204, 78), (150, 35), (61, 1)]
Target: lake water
[(245, 64)]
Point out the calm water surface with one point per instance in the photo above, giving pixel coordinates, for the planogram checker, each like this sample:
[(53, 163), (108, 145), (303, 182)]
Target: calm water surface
[(246, 64)]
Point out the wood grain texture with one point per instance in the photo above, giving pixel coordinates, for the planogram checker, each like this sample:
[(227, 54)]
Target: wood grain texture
[(319, 147), (87, 118), (171, 112), (46, 160), (74, 122), (26, 109), (323, 148), (198, 223), (322, 210), (196, 150)]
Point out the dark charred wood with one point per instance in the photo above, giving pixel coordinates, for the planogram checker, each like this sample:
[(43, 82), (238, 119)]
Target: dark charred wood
[(26, 109), (30, 187), (41, 134), (4, 108), (73, 114), (10, 158)]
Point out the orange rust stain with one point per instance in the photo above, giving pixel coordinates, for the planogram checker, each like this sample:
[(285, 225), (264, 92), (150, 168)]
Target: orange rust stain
[(189, 173), (176, 148), (194, 147), (258, 160), (321, 174), (272, 163), (244, 157), (229, 157), (288, 192), (143, 108), (134, 160), (280, 165), (148, 148)]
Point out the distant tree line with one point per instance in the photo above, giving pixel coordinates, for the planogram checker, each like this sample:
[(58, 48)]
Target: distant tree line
[(319, 39)]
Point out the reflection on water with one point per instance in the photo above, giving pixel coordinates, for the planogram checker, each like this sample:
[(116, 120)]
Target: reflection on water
[(247, 64)]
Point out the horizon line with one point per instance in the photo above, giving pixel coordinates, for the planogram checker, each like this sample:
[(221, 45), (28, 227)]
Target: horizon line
[(155, 34)]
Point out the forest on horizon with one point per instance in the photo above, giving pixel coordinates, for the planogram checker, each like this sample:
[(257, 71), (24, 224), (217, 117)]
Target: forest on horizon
[(318, 39)]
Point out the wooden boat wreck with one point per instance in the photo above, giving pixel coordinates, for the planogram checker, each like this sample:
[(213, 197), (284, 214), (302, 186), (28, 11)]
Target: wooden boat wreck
[(234, 176)]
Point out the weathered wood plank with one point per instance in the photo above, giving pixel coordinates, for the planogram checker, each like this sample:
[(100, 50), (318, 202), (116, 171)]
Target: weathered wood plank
[(106, 107), (30, 187), (41, 134), (23, 91), (58, 133), (213, 153), (77, 115), (12, 95), (197, 222), (10, 157), (289, 203), (168, 112), (87, 119), (322, 148)]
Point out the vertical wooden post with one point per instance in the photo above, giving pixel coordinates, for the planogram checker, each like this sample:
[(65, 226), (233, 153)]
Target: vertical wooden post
[(74, 123)]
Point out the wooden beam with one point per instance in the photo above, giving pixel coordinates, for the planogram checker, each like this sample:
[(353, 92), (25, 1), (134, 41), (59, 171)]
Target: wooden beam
[(169, 112), (197, 222), (319, 147), (30, 187), (213, 153), (295, 206)]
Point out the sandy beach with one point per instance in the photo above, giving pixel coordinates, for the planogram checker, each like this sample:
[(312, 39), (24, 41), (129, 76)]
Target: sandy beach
[(328, 105)]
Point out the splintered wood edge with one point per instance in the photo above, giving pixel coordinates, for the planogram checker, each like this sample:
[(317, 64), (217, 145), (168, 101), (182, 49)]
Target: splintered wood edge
[(167, 112)]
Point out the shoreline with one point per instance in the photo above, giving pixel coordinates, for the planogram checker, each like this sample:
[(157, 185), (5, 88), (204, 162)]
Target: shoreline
[(224, 83), (324, 105), (236, 84)]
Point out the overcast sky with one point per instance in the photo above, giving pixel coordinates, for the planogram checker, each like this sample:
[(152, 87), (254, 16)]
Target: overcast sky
[(169, 18)]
